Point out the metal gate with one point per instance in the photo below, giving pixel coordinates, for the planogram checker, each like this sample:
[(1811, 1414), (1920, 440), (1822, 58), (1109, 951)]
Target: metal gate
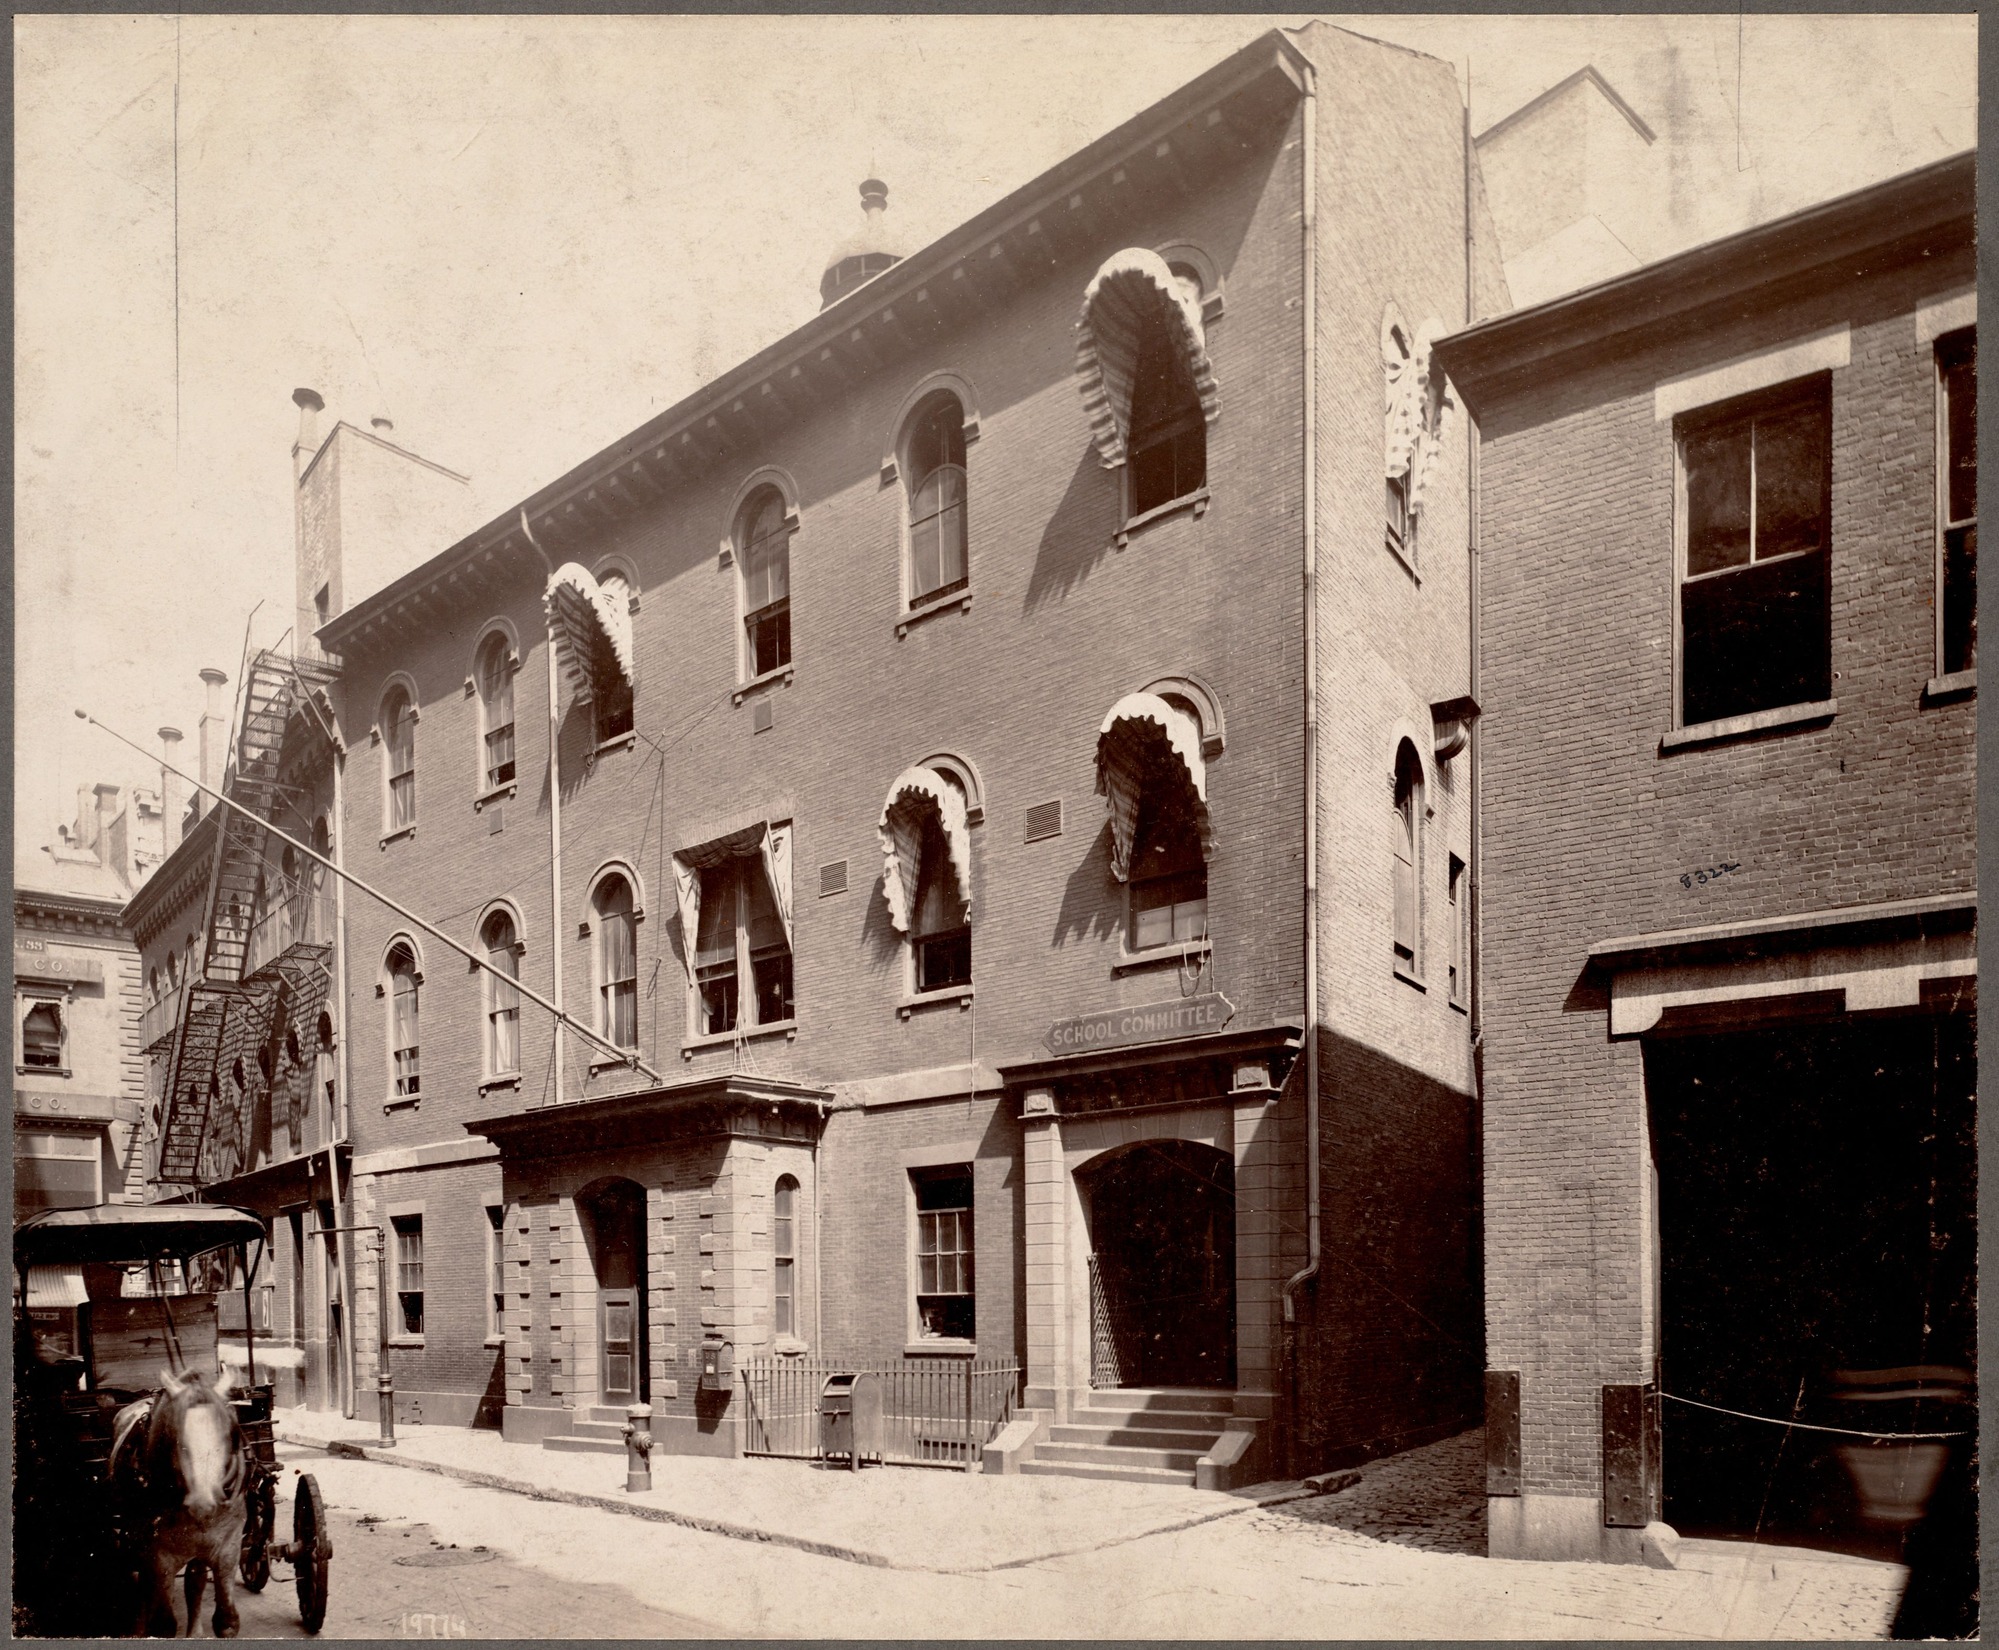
[(936, 1412)]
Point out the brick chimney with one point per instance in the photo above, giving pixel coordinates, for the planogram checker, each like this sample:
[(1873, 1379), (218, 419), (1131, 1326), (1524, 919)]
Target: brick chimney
[(173, 790), (214, 736)]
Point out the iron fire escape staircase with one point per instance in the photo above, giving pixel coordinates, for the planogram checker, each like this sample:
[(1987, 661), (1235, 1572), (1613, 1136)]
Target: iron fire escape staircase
[(229, 1010)]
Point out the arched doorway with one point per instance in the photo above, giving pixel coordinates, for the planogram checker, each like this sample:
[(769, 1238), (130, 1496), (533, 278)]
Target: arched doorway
[(613, 1216), (1162, 1265)]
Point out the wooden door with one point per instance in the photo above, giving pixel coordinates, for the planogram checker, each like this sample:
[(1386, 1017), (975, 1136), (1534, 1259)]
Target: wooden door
[(618, 1345)]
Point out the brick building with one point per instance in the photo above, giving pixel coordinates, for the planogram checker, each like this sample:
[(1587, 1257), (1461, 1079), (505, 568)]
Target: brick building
[(1728, 644), (79, 1090), (988, 778)]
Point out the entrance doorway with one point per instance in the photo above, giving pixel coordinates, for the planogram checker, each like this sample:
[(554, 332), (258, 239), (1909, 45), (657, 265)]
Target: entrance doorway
[(614, 1213), (1162, 1265), (1817, 1203)]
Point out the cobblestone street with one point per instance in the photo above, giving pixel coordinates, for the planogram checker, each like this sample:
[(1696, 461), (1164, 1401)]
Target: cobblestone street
[(1431, 1499)]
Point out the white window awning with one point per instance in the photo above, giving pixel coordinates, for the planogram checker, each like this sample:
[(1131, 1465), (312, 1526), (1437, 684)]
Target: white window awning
[(1419, 405), (1141, 742), (1133, 290), (914, 795), (591, 628)]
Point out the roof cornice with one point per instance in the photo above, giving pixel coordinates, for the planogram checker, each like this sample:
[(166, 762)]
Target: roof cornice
[(1201, 124), (1916, 214)]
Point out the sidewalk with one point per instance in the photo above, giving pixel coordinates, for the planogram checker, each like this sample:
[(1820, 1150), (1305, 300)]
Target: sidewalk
[(899, 1518)]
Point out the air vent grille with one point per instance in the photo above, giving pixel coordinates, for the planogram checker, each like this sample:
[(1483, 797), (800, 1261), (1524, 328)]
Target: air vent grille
[(833, 878), (1044, 819), (760, 716)]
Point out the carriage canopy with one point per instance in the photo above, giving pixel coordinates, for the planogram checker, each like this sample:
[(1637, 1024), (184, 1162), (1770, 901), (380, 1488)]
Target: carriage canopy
[(131, 1233)]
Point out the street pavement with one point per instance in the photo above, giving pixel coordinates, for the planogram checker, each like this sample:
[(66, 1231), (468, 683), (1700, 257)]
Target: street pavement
[(1396, 1555)]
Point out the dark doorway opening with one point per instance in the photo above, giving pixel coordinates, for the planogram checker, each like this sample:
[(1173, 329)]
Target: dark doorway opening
[(1817, 1209), (1162, 1265), (614, 1226)]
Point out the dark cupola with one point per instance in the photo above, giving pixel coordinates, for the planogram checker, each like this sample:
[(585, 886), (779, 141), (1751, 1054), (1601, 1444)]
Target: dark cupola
[(864, 255)]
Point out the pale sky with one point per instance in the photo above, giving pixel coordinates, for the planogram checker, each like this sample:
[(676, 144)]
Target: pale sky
[(520, 238)]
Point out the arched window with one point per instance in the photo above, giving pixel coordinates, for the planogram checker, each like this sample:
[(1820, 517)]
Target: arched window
[(763, 551), (398, 725), (495, 681), (153, 985), (614, 698), (1169, 435), (323, 1072), (1152, 775), (926, 874), (934, 464), (503, 998), (617, 962), (1406, 842), (784, 1257), (173, 971), (405, 1041)]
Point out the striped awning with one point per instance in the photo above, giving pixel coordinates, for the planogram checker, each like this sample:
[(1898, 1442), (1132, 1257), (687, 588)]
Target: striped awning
[(1132, 291), (916, 793), (592, 631), (1144, 743)]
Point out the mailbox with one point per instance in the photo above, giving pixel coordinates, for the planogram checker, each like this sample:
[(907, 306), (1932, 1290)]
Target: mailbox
[(850, 1418), (718, 1365)]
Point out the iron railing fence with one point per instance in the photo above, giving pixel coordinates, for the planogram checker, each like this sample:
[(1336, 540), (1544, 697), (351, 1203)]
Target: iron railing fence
[(936, 1411)]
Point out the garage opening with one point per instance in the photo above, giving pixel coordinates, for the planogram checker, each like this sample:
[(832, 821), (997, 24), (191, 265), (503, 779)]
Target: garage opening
[(1162, 1265), (1817, 1206)]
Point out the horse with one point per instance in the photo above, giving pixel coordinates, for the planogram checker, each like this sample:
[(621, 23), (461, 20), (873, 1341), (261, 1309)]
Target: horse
[(177, 1463)]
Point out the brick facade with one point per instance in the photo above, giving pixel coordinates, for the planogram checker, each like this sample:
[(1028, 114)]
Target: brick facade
[(1596, 825)]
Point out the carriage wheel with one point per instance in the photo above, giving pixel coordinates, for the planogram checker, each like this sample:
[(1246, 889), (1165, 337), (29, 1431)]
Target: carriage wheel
[(314, 1550), (254, 1564)]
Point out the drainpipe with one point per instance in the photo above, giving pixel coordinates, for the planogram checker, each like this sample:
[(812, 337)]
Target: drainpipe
[(338, 1110), (1310, 1270), (554, 813)]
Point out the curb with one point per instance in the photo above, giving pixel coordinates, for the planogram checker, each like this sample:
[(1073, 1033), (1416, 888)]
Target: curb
[(349, 1449)]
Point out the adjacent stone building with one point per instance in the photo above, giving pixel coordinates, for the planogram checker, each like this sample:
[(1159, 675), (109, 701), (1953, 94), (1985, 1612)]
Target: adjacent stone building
[(1727, 540)]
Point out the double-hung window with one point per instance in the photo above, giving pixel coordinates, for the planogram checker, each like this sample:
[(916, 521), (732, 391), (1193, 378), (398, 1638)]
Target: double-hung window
[(741, 938), (44, 1033), (613, 699), (1957, 500), (941, 932), (399, 758), (784, 1257), (496, 710), (1755, 590), (763, 546), (503, 997), (496, 1271), (409, 1271), (405, 1040), (1406, 856), (1169, 875), (617, 962), (944, 1256), (935, 464), (1169, 434)]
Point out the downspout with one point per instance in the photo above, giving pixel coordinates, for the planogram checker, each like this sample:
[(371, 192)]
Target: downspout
[(1310, 1270), (340, 1110), (554, 815)]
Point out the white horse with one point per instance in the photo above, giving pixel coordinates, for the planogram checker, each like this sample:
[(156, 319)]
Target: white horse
[(177, 1461)]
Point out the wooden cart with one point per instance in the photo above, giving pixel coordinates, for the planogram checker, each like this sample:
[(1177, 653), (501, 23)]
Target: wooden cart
[(83, 1351)]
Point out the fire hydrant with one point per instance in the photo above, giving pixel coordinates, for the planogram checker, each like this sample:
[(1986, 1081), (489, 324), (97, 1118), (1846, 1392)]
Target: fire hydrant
[(638, 1447)]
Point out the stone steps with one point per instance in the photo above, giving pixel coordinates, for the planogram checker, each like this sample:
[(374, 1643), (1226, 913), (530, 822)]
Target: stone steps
[(1140, 1435), (1180, 1461), (1125, 1475)]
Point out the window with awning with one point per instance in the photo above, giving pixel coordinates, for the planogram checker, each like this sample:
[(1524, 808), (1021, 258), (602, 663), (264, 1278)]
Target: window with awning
[(927, 874), (591, 625), (1143, 370), (734, 899), (1154, 782)]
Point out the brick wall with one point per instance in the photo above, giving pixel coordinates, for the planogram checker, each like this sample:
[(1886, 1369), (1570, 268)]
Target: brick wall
[(1589, 829)]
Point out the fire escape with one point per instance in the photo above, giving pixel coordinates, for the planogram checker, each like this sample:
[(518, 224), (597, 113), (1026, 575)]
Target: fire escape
[(235, 1009)]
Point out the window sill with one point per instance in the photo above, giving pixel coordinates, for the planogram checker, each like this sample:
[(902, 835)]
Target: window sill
[(612, 1062), (406, 1340), (499, 793), (790, 1346), (1155, 955), (941, 1348), (41, 1071), (756, 684), (413, 1102), (943, 995), (787, 1029), (618, 742), (505, 1080), (1197, 501), (1401, 553), (407, 832), (494, 1342), (1408, 976), (1959, 684), (960, 599), (1737, 727), (1460, 1005)]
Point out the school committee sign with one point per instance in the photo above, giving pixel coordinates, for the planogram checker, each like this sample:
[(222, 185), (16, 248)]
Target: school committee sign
[(1153, 1023)]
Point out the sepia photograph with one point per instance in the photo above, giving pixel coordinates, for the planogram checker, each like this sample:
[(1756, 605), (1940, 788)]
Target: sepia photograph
[(1110, 826)]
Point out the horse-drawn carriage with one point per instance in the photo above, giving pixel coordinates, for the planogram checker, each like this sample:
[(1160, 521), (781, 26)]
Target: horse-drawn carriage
[(121, 1482)]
